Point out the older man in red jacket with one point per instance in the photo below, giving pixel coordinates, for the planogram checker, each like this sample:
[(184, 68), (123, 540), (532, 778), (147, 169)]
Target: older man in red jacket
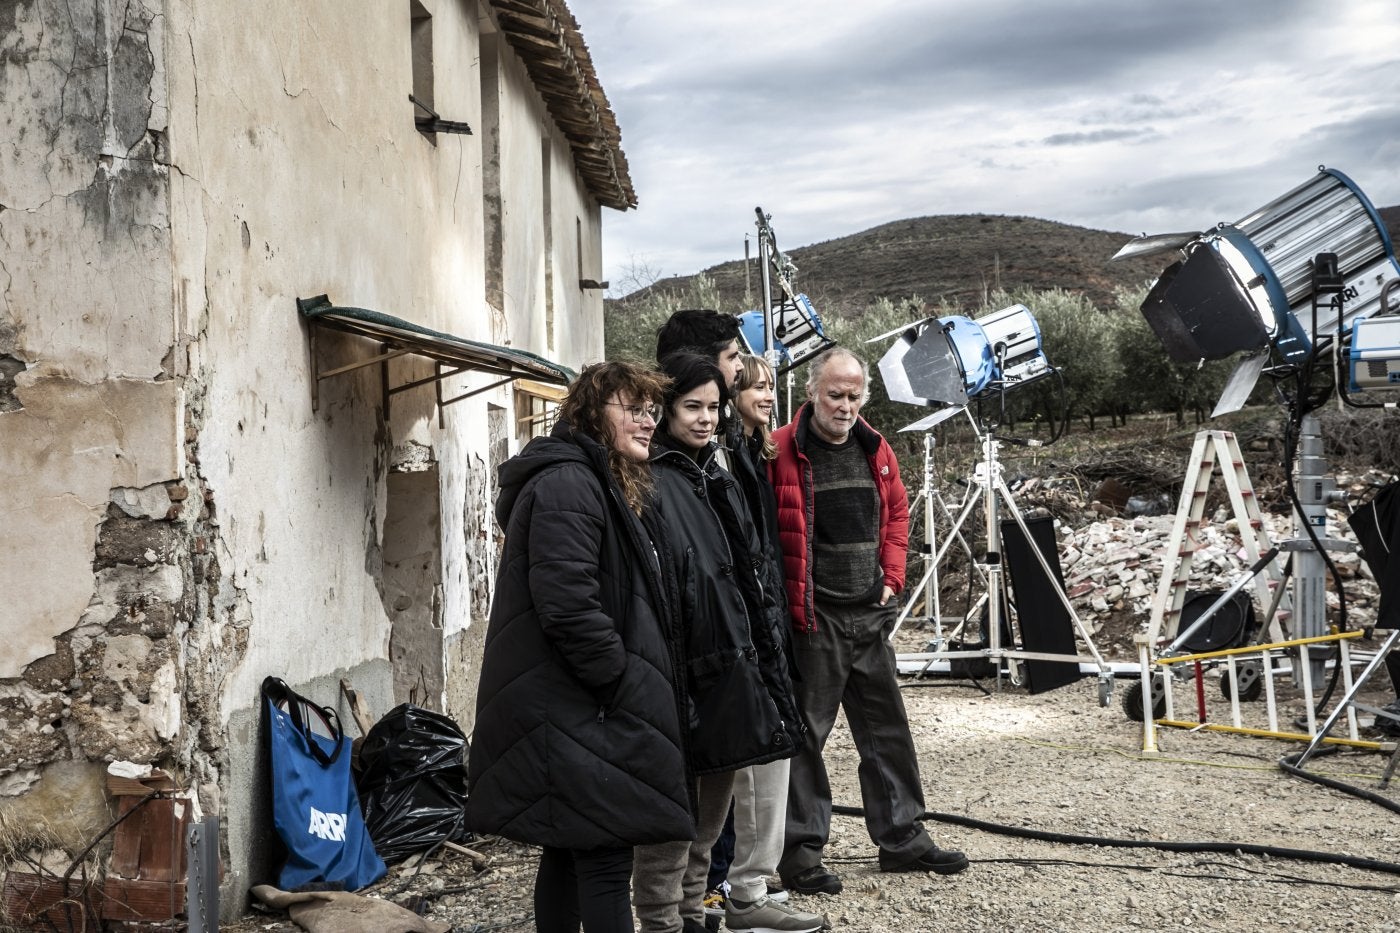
[(843, 519)]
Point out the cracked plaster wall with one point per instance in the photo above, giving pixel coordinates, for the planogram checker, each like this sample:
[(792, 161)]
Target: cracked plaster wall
[(185, 524), (527, 138), (95, 561), (300, 173)]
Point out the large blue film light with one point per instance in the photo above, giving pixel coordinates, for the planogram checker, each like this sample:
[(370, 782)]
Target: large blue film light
[(952, 360), (1248, 285), (798, 334)]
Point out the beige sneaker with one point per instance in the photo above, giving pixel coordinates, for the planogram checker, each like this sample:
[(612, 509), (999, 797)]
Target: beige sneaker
[(767, 916)]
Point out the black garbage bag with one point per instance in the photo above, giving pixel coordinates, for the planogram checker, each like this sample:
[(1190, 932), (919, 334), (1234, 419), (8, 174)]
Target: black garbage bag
[(413, 782)]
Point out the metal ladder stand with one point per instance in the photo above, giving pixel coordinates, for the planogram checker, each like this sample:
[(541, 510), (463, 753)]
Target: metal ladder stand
[(1220, 449), (1212, 451)]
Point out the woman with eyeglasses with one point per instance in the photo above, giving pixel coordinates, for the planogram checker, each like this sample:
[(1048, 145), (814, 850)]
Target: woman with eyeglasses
[(578, 746), (715, 558)]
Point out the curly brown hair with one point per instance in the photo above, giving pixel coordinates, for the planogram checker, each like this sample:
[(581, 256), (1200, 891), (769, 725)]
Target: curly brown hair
[(584, 409)]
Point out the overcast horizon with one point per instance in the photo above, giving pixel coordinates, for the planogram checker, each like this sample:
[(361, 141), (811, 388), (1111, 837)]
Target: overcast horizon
[(836, 118)]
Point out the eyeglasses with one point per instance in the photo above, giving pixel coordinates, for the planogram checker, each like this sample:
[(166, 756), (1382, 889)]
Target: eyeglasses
[(638, 412)]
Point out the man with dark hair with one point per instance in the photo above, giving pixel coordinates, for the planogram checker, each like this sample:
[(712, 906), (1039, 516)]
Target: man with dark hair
[(843, 521), (706, 332)]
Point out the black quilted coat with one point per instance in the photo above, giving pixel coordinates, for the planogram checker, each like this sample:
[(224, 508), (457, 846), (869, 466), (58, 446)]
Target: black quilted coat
[(577, 742), (728, 633), (779, 669)]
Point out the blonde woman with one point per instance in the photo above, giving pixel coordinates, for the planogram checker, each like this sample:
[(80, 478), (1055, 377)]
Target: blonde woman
[(760, 791)]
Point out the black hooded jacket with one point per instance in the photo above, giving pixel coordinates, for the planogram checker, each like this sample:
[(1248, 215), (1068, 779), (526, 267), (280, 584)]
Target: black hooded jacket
[(577, 742), (741, 708), (779, 669)]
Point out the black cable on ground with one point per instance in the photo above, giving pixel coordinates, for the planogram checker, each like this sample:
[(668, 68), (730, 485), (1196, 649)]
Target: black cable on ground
[(1272, 877), (1247, 848), (1289, 763)]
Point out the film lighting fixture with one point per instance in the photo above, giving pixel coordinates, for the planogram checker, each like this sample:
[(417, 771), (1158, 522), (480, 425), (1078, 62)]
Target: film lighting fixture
[(1254, 286), (947, 362), (1305, 281), (1373, 358), (786, 330), (798, 334)]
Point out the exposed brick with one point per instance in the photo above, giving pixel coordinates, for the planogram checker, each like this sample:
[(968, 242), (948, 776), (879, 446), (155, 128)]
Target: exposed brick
[(125, 540)]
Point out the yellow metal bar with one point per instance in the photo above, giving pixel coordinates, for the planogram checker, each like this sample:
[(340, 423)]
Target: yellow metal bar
[(1255, 649), (1265, 733)]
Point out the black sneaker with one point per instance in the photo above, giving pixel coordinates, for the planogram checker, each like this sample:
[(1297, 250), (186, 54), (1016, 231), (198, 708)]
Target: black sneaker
[(815, 880), (1387, 726), (939, 861)]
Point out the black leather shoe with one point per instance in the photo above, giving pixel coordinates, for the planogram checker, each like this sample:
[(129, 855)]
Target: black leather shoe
[(815, 880), (939, 861)]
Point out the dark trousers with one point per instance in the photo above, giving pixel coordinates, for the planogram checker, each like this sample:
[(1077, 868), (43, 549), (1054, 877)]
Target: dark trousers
[(588, 886), (722, 855), (847, 664)]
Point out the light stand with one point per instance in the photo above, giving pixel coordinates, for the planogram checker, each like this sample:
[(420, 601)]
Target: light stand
[(994, 495), (766, 247), (933, 504)]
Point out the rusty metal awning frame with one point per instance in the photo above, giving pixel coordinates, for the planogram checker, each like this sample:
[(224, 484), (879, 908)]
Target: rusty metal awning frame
[(451, 355)]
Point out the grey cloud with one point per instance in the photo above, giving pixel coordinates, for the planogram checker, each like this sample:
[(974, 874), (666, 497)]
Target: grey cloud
[(754, 117), (1374, 137), (1137, 108), (1095, 136), (1028, 52)]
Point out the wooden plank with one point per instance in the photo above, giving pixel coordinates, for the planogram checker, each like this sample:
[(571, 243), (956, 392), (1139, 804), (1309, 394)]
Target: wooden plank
[(129, 899), (363, 720), (149, 844)]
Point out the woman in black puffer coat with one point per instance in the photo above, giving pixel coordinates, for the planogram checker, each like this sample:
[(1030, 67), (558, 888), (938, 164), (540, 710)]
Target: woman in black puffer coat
[(578, 745), (713, 548)]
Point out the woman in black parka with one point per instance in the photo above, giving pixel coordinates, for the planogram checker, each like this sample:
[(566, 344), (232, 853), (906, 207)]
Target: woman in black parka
[(578, 746), (734, 719)]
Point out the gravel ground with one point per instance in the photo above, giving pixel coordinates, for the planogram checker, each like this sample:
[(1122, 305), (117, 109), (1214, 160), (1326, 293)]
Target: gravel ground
[(1060, 763)]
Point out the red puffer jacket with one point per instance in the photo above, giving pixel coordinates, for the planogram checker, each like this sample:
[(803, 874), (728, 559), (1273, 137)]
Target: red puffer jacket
[(791, 476)]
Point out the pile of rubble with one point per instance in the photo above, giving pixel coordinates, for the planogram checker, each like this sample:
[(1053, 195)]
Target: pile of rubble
[(1113, 565)]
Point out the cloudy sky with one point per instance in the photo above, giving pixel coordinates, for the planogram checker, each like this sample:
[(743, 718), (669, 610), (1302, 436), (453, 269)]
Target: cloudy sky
[(1121, 115)]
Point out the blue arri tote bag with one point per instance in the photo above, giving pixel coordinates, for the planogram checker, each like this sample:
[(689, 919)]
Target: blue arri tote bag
[(314, 805)]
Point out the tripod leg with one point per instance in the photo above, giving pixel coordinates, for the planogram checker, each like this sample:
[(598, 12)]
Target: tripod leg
[(1390, 767), (933, 567), (1347, 700)]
